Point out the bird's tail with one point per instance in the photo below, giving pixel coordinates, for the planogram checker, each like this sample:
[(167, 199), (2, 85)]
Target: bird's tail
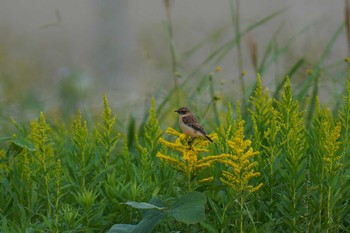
[(207, 137)]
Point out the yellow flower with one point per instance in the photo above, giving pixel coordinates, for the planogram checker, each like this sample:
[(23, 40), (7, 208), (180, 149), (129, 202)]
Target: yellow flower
[(175, 163), (206, 180), (190, 163), (330, 148), (240, 163)]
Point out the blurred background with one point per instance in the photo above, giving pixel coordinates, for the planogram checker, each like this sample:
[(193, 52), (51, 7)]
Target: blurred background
[(60, 56)]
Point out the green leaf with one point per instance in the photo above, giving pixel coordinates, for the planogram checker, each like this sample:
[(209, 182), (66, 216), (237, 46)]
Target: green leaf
[(209, 227), (24, 143), (142, 205), (5, 138), (122, 228), (189, 208), (151, 217)]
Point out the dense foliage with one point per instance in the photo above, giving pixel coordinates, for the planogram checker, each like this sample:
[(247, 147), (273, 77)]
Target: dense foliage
[(282, 173)]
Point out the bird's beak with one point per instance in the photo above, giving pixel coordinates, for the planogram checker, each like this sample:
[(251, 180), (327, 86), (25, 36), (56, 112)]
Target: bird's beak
[(176, 111)]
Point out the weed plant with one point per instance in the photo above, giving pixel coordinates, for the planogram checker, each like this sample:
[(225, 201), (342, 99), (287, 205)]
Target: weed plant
[(278, 175), (280, 162)]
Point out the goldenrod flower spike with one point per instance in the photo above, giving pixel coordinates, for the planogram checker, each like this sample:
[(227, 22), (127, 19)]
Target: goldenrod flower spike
[(175, 163), (330, 156), (172, 131), (190, 163), (240, 165)]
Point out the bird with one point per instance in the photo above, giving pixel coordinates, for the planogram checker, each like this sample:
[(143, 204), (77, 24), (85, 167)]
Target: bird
[(190, 125)]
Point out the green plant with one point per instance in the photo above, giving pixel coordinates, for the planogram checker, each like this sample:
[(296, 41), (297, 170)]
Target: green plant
[(279, 163)]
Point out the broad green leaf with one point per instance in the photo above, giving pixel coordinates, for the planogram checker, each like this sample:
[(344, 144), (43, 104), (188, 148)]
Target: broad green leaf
[(142, 205), (151, 217), (24, 143), (5, 138), (189, 208), (122, 228)]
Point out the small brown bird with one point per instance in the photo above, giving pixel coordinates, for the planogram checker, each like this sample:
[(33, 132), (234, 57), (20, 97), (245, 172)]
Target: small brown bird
[(190, 125)]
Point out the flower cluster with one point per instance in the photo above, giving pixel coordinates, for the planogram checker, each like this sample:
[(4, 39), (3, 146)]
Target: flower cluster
[(239, 162), (330, 150), (190, 164)]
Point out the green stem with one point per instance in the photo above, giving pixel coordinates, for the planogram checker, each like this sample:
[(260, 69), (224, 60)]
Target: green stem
[(329, 194), (270, 182), (214, 99), (321, 200), (294, 205), (328, 208), (83, 170), (47, 187), (241, 201), (235, 14), (171, 43), (57, 222), (345, 123), (189, 182), (224, 215)]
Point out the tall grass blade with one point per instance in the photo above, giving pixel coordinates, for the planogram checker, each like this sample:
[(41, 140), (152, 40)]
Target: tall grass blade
[(316, 72), (347, 23), (222, 51)]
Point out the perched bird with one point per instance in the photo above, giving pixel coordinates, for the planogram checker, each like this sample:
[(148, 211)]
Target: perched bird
[(190, 125)]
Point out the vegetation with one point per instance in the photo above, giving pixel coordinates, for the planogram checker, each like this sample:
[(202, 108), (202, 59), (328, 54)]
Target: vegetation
[(280, 162), (79, 178)]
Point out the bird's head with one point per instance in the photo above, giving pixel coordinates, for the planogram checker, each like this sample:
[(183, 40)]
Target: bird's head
[(182, 111)]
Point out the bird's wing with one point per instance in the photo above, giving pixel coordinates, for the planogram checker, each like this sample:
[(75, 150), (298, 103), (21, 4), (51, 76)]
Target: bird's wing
[(193, 122)]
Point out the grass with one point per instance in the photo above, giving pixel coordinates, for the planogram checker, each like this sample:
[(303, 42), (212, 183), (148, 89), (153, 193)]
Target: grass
[(280, 161), (280, 174)]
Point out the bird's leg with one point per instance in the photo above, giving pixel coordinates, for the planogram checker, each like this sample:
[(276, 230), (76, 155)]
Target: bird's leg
[(190, 142)]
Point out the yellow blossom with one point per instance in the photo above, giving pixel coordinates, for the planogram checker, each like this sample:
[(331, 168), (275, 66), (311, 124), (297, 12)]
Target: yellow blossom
[(331, 148), (205, 180), (239, 163), (190, 163), (175, 163), (172, 131)]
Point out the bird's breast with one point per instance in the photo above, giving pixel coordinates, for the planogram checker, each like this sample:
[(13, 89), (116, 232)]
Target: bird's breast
[(188, 130)]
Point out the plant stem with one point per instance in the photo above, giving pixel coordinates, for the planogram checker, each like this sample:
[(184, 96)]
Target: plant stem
[(321, 200), (214, 99), (171, 42), (241, 201), (224, 215), (235, 14), (46, 185), (328, 208), (189, 181)]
